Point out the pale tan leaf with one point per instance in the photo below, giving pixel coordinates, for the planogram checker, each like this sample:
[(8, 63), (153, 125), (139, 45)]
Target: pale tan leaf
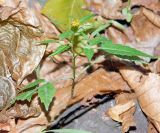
[(151, 128), (123, 110), (117, 110), (154, 18), (147, 89)]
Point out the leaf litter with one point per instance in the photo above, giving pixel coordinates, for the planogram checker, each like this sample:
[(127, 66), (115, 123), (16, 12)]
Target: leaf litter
[(24, 24)]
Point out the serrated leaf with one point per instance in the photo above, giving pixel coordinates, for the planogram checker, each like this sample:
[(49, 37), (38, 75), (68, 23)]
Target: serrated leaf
[(60, 50), (33, 84), (26, 95), (86, 18), (97, 40), (100, 28), (118, 49), (69, 131), (66, 35), (127, 13), (46, 93), (63, 12), (89, 53), (85, 27)]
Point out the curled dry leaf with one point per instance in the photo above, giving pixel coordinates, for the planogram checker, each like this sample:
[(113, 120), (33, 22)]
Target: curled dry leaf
[(123, 110), (17, 42), (99, 81), (147, 89)]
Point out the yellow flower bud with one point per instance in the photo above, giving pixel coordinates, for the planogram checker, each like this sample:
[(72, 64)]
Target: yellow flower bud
[(75, 23)]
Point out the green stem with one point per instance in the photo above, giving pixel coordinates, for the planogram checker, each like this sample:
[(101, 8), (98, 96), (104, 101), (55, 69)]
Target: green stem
[(73, 73), (129, 4)]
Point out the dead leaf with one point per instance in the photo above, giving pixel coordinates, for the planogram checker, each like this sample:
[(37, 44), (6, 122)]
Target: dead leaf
[(106, 8), (154, 18), (5, 127), (99, 81), (147, 40), (151, 128), (153, 5), (20, 51), (155, 66), (147, 89), (7, 91), (123, 111)]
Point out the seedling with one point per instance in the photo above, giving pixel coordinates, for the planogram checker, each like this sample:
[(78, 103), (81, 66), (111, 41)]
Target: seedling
[(83, 39)]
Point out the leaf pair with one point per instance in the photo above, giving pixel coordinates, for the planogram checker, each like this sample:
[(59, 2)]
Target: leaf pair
[(45, 92)]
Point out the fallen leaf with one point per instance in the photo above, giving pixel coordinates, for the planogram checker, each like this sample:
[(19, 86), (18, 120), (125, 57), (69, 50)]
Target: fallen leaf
[(106, 8), (151, 128), (20, 51), (154, 18), (155, 66), (123, 111), (146, 88), (99, 81)]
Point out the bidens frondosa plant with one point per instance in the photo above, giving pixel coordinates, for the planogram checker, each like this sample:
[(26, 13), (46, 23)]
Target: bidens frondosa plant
[(84, 39)]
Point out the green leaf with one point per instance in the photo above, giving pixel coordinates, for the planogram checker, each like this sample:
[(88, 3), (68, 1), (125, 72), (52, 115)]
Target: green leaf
[(26, 95), (63, 12), (68, 131), (86, 18), (127, 13), (66, 35), (85, 27), (118, 49), (116, 24), (97, 40), (89, 53), (100, 28), (46, 93), (131, 58), (33, 84), (60, 50)]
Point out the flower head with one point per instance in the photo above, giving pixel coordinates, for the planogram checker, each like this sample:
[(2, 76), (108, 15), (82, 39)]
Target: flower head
[(75, 23)]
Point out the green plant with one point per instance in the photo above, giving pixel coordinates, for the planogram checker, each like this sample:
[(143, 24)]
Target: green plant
[(45, 91), (83, 39)]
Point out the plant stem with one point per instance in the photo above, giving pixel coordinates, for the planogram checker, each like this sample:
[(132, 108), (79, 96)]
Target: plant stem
[(73, 73)]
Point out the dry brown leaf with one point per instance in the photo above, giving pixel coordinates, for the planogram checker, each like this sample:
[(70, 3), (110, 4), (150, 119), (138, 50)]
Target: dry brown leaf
[(150, 4), (151, 128), (154, 18), (98, 82), (106, 8), (17, 38), (148, 40), (147, 89), (155, 66), (123, 111)]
